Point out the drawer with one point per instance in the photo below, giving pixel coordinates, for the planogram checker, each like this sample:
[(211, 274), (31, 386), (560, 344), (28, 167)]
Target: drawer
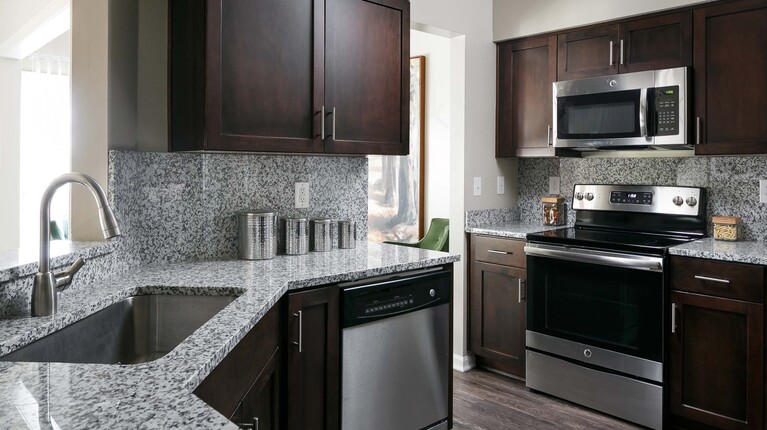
[(508, 252), (717, 278)]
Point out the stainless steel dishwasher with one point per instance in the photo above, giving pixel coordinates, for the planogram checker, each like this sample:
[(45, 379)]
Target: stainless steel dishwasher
[(395, 349)]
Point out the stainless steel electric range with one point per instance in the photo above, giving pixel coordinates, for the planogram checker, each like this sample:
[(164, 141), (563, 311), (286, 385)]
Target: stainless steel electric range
[(595, 320)]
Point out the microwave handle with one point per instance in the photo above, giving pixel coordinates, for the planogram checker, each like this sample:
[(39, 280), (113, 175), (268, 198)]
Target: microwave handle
[(644, 111)]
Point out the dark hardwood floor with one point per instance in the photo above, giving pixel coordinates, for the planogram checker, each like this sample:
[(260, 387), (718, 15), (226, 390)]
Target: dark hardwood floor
[(488, 401)]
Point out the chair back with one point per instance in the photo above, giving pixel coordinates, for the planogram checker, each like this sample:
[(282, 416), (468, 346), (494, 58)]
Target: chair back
[(438, 235)]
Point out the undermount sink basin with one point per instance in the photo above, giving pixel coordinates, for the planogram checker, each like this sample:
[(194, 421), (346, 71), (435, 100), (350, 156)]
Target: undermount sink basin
[(134, 330)]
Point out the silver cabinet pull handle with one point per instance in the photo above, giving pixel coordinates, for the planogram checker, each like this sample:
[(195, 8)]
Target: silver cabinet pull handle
[(697, 130), (300, 343), (323, 122), (253, 425), (548, 135), (255, 422), (621, 52), (334, 123), (706, 278), (493, 251), (520, 286), (673, 318), (611, 52)]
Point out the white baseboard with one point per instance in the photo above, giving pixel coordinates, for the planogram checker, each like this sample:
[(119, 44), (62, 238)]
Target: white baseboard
[(463, 363)]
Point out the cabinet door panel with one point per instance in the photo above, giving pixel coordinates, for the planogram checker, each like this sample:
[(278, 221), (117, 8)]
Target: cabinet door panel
[(262, 403), (731, 77), (368, 76), (586, 53), (660, 42), (264, 75), (313, 372), (717, 361), (526, 72), (498, 315)]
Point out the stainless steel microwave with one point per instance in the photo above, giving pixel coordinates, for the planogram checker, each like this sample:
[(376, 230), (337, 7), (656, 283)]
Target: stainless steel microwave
[(631, 110)]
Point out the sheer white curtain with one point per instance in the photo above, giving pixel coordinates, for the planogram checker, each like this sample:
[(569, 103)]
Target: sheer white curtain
[(45, 142)]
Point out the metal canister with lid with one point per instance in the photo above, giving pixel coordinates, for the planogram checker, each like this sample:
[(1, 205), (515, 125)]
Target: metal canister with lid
[(294, 235), (321, 235), (257, 235), (347, 234)]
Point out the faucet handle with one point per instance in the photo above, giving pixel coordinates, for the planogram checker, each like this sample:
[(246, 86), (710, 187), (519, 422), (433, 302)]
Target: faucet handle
[(64, 278)]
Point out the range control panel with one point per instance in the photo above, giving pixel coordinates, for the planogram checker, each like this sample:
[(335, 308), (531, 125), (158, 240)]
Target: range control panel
[(640, 198), (667, 110)]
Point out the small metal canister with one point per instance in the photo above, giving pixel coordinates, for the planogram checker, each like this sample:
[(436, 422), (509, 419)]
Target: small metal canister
[(321, 235), (347, 234), (257, 236), (553, 210), (295, 235)]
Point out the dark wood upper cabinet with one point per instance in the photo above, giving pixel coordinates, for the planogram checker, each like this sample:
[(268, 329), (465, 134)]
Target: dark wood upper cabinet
[(587, 53), (526, 71), (368, 76), (258, 76), (731, 78), (659, 42), (313, 364)]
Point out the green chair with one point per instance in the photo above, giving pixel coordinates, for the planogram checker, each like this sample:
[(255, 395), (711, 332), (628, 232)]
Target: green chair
[(436, 239)]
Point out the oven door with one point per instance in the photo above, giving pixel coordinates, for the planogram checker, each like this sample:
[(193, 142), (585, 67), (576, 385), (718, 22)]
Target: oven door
[(602, 308)]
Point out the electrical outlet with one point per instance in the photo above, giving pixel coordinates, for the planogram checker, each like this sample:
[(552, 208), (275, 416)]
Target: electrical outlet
[(477, 186), (554, 185), (302, 195), (501, 187), (763, 191)]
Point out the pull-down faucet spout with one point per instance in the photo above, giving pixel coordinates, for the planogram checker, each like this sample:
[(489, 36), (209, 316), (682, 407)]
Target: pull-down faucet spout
[(47, 284)]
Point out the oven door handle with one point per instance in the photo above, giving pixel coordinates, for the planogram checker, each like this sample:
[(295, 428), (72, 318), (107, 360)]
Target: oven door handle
[(604, 258)]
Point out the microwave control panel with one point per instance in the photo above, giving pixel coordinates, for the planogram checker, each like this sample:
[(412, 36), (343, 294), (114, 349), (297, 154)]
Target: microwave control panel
[(667, 110)]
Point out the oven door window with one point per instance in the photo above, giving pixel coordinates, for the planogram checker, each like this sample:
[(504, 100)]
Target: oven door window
[(599, 116), (608, 307)]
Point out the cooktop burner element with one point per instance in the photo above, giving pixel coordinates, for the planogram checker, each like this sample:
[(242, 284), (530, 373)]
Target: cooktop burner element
[(632, 218)]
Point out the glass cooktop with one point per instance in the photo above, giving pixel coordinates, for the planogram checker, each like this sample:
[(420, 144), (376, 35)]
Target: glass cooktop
[(610, 240)]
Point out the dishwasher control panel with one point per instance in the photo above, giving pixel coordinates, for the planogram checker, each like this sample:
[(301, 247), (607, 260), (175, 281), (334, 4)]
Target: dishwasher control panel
[(390, 297)]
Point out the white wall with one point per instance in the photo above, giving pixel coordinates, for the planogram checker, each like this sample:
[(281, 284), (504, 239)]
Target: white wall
[(517, 18), (10, 130), (436, 49)]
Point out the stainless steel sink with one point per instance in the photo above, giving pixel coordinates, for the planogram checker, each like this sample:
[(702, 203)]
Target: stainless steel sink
[(135, 330)]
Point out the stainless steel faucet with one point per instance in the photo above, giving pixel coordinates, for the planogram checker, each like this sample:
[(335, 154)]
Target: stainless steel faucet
[(47, 284)]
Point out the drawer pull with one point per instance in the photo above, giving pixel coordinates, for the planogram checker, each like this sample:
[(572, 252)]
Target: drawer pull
[(706, 278), (493, 251), (673, 318)]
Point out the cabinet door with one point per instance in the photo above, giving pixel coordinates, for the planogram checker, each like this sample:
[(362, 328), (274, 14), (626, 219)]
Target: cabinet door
[(587, 53), (498, 316), (660, 42), (264, 75), (367, 77), (716, 354), (261, 406), (731, 78), (526, 72), (313, 360)]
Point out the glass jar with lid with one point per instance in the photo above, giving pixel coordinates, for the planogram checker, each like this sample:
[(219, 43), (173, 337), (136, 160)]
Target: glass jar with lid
[(553, 210), (727, 227)]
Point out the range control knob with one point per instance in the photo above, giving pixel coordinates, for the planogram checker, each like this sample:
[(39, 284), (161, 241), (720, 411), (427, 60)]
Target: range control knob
[(678, 200), (589, 196), (579, 196), (691, 201)]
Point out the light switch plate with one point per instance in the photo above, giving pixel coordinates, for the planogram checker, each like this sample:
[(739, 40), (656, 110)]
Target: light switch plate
[(554, 186), (302, 195), (477, 186), (501, 187), (763, 191)]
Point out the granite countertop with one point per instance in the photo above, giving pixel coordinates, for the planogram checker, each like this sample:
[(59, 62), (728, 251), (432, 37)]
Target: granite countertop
[(16, 263), (516, 229), (752, 252), (158, 394)]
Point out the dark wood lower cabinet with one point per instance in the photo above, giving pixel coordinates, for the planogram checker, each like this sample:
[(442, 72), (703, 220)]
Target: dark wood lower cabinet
[(498, 316), (717, 358), (313, 360), (245, 385)]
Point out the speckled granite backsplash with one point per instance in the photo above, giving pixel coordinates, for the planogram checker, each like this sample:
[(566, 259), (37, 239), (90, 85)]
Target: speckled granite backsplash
[(732, 183), (182, 206), (490, 216)]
